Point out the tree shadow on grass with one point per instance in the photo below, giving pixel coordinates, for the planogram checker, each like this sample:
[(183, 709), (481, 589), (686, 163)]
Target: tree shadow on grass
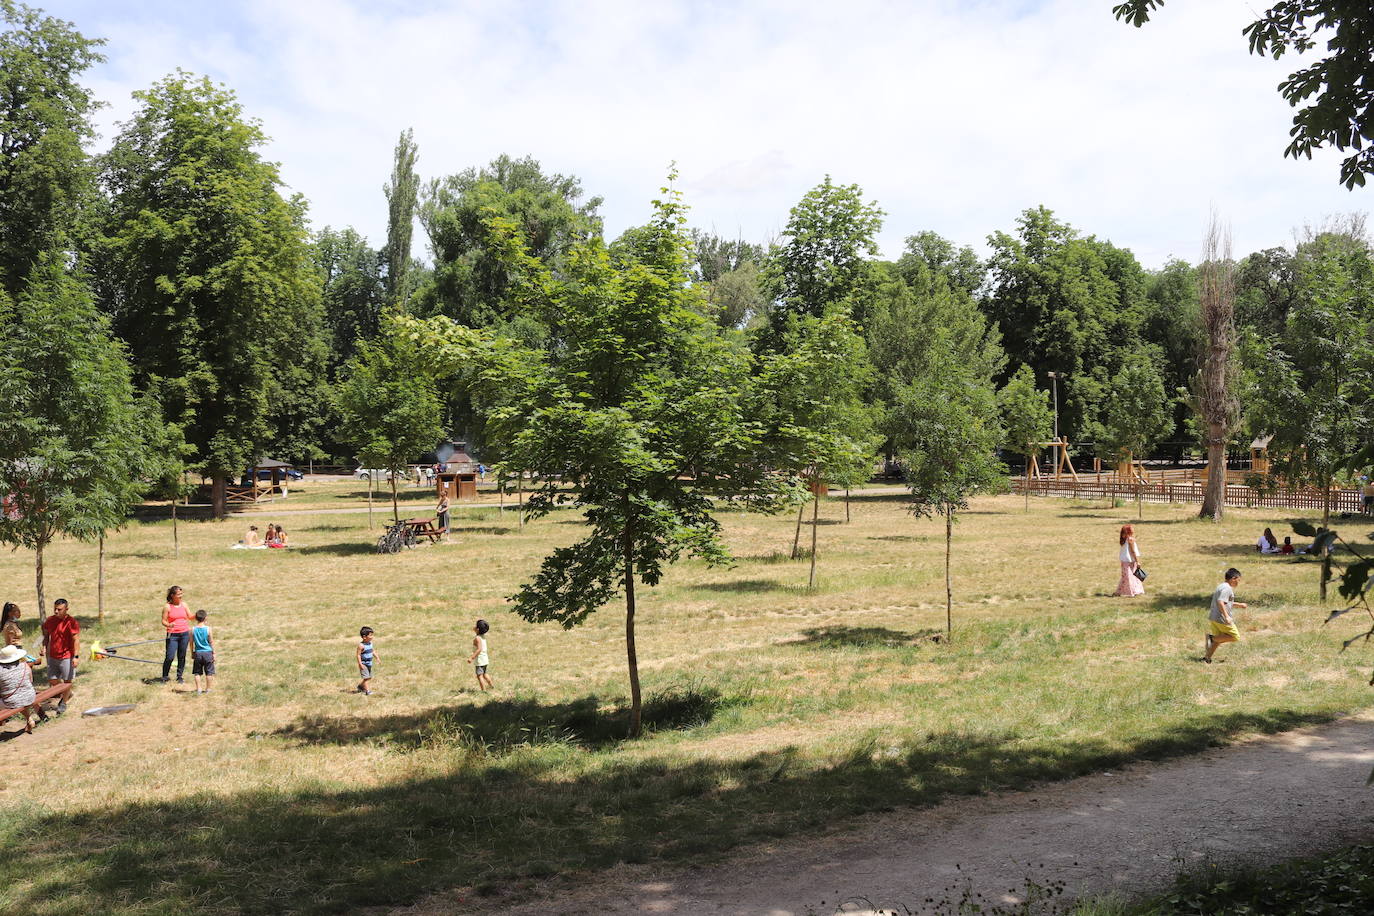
[(344, 549), (1242, 551), (1180, 601), (742, 586), (484, 824), (900, 538), (498, 727), (482, 529), (863, 638)]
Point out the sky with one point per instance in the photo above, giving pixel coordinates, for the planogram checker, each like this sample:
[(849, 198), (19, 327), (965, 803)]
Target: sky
[(952, 116)]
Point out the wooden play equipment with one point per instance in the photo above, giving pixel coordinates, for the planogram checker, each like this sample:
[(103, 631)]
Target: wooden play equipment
[(1059, 450)]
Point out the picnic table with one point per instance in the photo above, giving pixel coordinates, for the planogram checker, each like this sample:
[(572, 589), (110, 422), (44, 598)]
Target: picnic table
[(424, 528)]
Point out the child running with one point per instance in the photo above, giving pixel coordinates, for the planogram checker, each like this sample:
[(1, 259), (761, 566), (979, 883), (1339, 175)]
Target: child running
[(1219, 619), (479, 655), (202, 653), (366, 656)]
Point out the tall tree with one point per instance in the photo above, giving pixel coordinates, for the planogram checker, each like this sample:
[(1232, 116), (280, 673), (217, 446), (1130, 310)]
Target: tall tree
[(1334, 96), (823, 258), (389, 408), (69, 427), (644, 391), (1065, 303), (45, 117), (1172, 325), (1316, 384), (471, 281), (1026, 417), (1135, 413), (353, 290), (1217, 377), (401, 192), (929, 252), (206, 271)]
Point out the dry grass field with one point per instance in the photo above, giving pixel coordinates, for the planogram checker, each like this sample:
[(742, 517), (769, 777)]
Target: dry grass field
[(772, 709)]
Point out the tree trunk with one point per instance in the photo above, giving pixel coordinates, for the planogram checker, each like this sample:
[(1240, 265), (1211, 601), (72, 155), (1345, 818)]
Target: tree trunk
[(630, 656), (846, 505), (949, 585), (369, 500), (100, 582), (520, 498), (1027, 478), (219, 504), (1214, 496), (38, 581), (796, 537), (1326, 526), (1139, 503), (176, 538), (395, 510), (815, 515)]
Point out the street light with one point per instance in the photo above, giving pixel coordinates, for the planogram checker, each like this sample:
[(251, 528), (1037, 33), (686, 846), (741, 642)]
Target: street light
[(1054, 380)]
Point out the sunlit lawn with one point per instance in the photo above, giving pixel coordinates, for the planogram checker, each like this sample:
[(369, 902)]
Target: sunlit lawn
[(773, 710)]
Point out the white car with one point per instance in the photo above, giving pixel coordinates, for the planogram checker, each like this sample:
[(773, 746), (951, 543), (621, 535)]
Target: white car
[(372, 473)]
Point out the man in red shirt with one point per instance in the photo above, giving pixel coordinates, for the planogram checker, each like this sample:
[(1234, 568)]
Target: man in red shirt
[(62, 644)]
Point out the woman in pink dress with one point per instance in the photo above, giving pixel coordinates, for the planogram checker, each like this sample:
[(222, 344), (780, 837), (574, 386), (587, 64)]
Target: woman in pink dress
[(1129, 586)]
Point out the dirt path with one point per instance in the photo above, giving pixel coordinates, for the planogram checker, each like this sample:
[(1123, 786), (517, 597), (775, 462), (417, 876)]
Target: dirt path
[(1127, 831)]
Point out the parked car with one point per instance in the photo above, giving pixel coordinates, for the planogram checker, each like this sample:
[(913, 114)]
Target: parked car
[(373, 473), (266, 474)]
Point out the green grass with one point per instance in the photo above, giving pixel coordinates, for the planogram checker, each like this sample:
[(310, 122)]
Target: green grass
[(772, 710)]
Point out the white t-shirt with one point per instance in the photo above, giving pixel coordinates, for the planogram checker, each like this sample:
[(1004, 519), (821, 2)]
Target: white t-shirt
[(1126, 552), (1226, 595)]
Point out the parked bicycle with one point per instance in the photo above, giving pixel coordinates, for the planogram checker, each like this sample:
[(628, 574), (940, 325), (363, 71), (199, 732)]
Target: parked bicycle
[(395, 537)]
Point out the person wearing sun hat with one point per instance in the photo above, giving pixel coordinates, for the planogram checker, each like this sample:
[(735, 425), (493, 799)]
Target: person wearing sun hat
[(16, 684)]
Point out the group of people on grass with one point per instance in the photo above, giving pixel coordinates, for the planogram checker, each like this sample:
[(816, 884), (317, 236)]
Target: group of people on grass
[(1221, 623), (275, 538), (59, 652)]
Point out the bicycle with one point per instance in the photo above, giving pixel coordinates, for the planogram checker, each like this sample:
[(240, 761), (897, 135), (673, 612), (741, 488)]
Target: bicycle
[(396, 537)]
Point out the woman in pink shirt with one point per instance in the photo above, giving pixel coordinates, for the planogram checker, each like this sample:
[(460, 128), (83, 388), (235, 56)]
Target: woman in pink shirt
[(176, 619)]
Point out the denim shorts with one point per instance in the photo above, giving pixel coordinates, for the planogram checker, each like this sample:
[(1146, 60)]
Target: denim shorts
[(481, 669)]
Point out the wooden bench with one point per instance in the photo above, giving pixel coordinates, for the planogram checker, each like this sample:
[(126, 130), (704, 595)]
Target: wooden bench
[(42, 697), (424, 528)]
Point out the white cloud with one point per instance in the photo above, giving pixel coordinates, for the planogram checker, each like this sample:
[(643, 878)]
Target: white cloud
[(953, 116)]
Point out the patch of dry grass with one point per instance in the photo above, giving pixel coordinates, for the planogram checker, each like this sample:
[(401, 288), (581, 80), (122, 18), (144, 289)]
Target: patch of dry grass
[(779, 709)]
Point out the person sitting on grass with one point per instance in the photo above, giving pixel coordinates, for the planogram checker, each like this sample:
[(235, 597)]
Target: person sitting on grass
[(16, 685), (202, 653), (366, 656), (1267, 543), (1220, 621), (1287, 548)]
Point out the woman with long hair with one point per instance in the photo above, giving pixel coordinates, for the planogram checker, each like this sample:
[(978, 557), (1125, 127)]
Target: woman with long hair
[(10, 633), (1130, 585)]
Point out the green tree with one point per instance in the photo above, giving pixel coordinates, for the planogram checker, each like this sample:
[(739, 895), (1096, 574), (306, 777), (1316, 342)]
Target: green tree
[(644, 391), (45, 112), (948, 441), (353, 290), (1026, 417), (1065, 303), (824, 256), (69, 427), (929, 253), (401, 192), (1316, 384), (809, 397), (165, 458), (1172, 326), (1334, 96), (389, 409), (471, 281), (206, 271), (1135, 414)]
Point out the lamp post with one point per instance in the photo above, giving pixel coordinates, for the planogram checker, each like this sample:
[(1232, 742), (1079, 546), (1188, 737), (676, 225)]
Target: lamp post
[(1054, 380)]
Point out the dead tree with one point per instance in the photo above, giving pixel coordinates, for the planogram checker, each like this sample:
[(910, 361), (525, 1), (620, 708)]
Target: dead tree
[(1217, 404)]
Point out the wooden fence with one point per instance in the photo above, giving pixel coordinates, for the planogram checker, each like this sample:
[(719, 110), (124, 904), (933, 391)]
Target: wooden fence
[(1236, 494)]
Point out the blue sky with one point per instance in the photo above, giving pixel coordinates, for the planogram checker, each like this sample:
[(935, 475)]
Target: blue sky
[(953, 116)]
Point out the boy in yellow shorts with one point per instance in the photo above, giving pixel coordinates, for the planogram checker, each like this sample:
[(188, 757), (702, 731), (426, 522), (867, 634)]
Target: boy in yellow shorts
[(1219, 620)]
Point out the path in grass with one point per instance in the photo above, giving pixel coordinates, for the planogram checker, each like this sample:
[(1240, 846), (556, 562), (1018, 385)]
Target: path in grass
[(1127, 832)]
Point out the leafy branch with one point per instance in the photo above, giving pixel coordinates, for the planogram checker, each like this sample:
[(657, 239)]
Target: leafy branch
[(1356, 578)]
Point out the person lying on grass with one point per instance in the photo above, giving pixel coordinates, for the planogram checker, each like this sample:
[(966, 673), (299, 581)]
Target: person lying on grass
[(1220, 622)]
